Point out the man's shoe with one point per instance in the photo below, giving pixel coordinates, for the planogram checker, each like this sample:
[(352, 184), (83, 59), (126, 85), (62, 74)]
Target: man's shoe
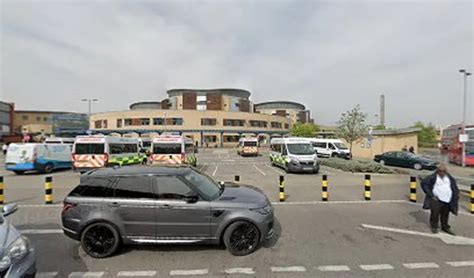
[(434, 230), (449, 231)]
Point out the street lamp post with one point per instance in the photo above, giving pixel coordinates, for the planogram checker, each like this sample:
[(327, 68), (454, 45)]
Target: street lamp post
[(89, 100), (465, 74)]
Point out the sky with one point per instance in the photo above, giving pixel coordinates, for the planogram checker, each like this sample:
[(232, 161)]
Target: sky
[(328, 55)]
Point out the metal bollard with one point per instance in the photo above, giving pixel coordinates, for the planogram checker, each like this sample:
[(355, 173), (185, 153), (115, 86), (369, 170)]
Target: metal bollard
[(48, 190), (237, 178), (413, 189), (472, 198), (367, 186), (2, 186), (282, 189), (324, 192)]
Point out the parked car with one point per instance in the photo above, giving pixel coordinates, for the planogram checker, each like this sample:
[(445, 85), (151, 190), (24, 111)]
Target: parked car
[(406, 159), (17, 256), (164, 204)]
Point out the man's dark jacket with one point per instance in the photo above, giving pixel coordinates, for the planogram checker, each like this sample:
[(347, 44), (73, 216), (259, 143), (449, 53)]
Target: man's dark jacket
[(427, 184)]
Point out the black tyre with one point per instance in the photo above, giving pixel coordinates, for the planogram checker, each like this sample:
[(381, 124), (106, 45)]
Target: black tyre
[(48, 168), (334, 155), (382, 162), (100, 240), (241, 238)]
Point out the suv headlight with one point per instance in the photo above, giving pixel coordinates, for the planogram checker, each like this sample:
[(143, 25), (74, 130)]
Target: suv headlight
[(294, 161), (15, 252), (264, 210)]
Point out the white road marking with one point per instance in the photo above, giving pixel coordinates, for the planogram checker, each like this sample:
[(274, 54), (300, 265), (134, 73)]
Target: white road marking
[(376, 266), (334, 268), (288, 269), (228, 160), (338, 202), (448, 239), (86, 274), (46, 274), (215, 171), (136, 273), (41, 231), (41, 206), (189, 272), (461, 263), (420, 265), (240, 270), (273, 168), (259, 170)]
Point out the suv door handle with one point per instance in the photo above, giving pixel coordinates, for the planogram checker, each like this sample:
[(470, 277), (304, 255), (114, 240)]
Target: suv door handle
[(166, 206), (114, 204)]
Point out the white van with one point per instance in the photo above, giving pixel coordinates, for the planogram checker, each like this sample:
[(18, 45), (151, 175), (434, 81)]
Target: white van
[(294, 155), (330, 148), (39, 157), (248, 146), (59, 140), (96, 151), (173, 149)]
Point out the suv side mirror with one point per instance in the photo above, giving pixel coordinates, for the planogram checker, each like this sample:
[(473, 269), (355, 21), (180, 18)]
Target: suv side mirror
[(9, 209), (192, 197)]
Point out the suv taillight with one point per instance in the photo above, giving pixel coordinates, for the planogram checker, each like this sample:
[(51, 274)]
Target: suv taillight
[(67, 206)]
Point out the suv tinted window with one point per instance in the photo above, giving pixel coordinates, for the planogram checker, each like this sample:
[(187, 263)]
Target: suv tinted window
[(171, 188), (137, 187), (92, 187)]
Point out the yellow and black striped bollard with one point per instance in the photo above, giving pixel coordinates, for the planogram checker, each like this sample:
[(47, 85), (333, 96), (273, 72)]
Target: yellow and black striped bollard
[(413, 189), (367, 186), (2, 186), (324, 192), (472, 198), (282, 189), (48, 190), (237, 178)]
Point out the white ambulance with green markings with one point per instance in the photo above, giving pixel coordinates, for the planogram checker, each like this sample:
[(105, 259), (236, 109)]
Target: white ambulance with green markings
[(294, 154)]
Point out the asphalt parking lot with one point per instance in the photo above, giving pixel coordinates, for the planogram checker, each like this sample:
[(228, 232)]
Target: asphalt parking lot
[(345, 237)]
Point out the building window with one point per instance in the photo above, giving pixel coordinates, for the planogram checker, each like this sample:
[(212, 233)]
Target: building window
[(287, 126), (45, 119), (234, 122), (210, 138), (98, 124), (158, 121), (24, 118), (104, 123), (258, 124), (127, 122), (231, 138), (276, 125), (38, 119), (144, 121), (174, 121), (119, 122), (208, 121)]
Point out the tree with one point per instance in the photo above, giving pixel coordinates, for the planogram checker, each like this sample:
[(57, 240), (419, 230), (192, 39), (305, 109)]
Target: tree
[(427, 133), (304, 130), (352, 126)]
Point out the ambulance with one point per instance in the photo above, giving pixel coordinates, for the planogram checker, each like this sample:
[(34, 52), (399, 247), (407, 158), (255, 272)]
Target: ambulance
[(96, 151), (294, 155), (173, 149), (248, 147)]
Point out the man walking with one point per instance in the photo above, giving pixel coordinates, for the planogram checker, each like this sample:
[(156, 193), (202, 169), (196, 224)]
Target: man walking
[(442, 195)]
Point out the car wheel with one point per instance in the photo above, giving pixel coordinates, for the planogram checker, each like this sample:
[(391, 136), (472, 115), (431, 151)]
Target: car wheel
[(334, 155), (382, 162), (100, 240), (417, 166), (48, 168), (287, 169), (241, 238)]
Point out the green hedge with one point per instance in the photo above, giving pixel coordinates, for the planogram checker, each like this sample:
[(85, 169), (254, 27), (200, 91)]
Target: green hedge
[(356, 165)]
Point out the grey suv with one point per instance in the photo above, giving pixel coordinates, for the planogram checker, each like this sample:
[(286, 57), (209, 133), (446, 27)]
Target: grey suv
[(144, 205)]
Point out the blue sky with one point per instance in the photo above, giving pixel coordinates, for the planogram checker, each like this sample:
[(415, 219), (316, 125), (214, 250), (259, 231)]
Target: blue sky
[(329, 55)]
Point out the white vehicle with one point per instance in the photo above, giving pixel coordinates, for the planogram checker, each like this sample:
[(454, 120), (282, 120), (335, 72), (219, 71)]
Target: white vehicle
[(39, 157), (59, 140), (173, 149), (145, 143), (248, 146), (294, 155), (330, 148), (96, 151)]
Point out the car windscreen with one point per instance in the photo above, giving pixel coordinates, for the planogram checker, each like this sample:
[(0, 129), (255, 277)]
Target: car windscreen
[(146, 144), (300, 149), (87, 148), (250, 144), (205, 185), (340, 146), (168, 148)]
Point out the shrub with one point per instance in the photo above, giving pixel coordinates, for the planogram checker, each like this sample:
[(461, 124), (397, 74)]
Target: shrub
[(356, 165)]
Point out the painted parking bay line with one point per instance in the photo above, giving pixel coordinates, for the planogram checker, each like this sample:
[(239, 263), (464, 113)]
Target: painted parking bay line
[(189, 272), (259, 170), (240, 270), (420, 265), (288, 269), (333, 268), (41, 231), (136, 273), (86, 274), (46, 274), (448, 239), (369, 267), (461, 263)]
